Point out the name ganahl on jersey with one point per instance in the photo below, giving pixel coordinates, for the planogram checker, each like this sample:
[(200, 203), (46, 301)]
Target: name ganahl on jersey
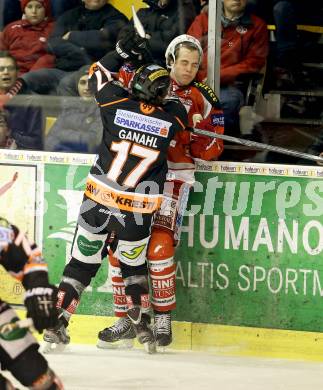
[(109, 197), (142, 139)]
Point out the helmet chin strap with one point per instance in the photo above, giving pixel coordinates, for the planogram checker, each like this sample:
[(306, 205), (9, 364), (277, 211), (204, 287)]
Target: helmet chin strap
[(172, 73)]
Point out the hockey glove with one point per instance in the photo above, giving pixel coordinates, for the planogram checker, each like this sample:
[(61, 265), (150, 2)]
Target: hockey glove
[(132, 48), (41, 307), (203, 147)]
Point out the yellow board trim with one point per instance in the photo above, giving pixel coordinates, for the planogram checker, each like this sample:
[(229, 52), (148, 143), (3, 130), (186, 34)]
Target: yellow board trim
[(222, 340), (302, 27), (269, 343)]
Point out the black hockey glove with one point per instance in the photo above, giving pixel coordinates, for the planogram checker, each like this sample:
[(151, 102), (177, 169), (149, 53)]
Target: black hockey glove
[(132, 48), (41, 307)]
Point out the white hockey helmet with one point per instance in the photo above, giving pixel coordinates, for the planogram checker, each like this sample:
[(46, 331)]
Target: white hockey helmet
[(186, 39)]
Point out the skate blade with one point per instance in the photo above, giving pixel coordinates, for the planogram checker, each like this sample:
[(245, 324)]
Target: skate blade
[(121, 344), (150, 347), (48, 348)]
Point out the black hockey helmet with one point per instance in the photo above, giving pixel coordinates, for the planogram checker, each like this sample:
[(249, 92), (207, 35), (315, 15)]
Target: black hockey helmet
[(150, 84)]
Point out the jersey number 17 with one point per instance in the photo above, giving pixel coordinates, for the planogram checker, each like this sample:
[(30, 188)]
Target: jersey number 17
[(123, 150)]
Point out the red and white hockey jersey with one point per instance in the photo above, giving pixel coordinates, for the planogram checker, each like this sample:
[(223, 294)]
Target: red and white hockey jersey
[(197, 98)]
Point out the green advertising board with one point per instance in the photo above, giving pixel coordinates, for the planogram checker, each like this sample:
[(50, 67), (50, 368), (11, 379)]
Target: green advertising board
[(251, 250)]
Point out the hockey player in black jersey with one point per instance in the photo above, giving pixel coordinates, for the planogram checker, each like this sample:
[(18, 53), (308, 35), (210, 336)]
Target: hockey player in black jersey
[(18, 348), (183, 57), (123, 189)]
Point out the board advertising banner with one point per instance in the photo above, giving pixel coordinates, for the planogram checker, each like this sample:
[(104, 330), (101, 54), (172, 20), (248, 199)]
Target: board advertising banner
[(252, 248), (251, 245), (18, 196)]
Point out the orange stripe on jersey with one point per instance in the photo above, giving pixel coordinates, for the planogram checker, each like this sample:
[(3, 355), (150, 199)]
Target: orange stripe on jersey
[(180, 122), (92, 68), (115, 102), (29, 267), (108, 197)]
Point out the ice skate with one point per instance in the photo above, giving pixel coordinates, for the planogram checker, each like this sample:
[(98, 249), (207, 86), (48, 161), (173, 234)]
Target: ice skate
[(163, 329), (143, 331), (120, 335), (56, 339)]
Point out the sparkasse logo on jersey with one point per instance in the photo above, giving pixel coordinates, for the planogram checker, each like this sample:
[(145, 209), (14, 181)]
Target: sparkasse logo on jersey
[(144, 123)]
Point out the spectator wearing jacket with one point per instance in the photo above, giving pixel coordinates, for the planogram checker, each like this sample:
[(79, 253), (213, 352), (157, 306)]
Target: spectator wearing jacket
[(291, 47), (199, 4), (26, 39), (24, 117), (244, 49), (79, 127), (81, 36), (10, 11), (6, 140), (162, 21), (60, 6)]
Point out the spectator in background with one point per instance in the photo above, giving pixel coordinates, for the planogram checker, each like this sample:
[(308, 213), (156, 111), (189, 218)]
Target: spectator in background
[(81, 36), (162, 21), (60, 6), (6, 141), (287, 64), (10, 11), (79, 127), (199, 4), (244, 49), (24, 116), (288, 49), (26, 39)]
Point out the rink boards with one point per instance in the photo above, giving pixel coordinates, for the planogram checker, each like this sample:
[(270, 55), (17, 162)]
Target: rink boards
[(249, 267)]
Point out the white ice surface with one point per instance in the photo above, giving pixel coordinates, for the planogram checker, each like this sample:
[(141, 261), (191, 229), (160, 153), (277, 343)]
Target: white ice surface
[(89, 368)]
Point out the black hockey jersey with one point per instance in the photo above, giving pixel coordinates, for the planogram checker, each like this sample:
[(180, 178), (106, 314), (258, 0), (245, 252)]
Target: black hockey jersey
[(136, 137)]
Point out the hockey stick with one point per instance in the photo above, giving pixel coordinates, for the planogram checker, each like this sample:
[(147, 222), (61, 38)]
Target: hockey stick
[(7, 328), (258, 145), (137, 23)]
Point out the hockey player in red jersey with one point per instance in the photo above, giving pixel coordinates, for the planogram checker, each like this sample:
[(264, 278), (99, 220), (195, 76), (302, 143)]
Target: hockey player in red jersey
[(123, 190), (183, 58), (18, 348)]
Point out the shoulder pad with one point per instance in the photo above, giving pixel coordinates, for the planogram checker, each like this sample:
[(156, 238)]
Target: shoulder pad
[(207, 92)]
